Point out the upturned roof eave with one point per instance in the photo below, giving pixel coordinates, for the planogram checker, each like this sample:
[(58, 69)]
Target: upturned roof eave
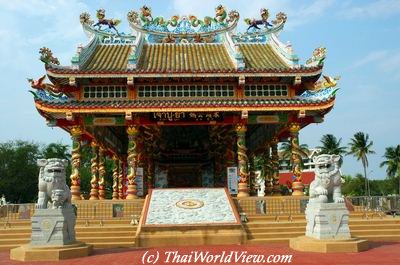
[(321, 105), (68, 72)]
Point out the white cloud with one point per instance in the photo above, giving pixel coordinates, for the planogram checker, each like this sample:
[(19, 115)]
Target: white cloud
[(372, 57), (376, 9), (386, 61)]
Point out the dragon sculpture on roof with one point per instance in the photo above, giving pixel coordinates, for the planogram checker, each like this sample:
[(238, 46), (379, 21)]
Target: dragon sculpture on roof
[(111, 23)]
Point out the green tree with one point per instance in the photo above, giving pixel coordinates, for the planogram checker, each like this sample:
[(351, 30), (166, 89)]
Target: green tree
[(353, 186), (19, 171), (286, 151), (56, 150), (392, 163), (332, 146), (360, 147)]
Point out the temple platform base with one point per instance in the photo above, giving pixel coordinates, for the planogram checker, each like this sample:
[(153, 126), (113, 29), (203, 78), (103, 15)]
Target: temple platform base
[(352, 245), (181, 217), (54, 253), (192, 235)]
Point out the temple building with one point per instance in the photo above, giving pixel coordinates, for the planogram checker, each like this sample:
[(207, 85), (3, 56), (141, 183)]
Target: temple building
[(179, 101)]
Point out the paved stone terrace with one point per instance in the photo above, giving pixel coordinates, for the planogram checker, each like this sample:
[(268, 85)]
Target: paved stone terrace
[(385, 253)]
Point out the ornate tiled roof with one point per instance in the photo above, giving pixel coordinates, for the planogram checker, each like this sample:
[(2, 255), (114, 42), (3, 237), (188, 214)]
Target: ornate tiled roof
[(108, 58), (184, 57), (261, 56), (184, 45), (187, 104)]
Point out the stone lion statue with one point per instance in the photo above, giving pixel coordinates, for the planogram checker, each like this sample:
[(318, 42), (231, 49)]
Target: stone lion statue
[(327, 183), (52, 184)]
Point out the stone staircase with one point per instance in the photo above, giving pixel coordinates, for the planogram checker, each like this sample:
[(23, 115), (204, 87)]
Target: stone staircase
[(108, 234), (263, 229)]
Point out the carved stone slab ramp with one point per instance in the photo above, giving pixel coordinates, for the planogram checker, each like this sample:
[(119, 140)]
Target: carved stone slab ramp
[(201, 216)]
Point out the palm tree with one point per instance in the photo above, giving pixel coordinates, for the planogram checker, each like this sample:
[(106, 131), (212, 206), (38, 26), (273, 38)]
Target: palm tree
[(392, 155), (331, 146), (360, 147), (286, 151)]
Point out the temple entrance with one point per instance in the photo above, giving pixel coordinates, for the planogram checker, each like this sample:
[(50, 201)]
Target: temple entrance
[(185, 158)]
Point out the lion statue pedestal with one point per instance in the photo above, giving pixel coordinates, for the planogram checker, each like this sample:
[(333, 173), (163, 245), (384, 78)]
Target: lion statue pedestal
[(53, 229), (326, 214)]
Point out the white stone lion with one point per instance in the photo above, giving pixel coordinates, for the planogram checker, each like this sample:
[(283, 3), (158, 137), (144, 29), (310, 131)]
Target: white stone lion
[(327, 183), (52, 184)]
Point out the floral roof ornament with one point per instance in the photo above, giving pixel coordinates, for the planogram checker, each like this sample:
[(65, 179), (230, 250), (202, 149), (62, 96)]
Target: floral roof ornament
[(46, 56), (317, 58)]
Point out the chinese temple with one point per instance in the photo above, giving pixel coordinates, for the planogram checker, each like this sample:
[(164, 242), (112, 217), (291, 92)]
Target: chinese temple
[(180, 100)]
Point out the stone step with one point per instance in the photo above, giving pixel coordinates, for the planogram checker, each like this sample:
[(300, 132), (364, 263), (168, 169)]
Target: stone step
[(98, 239), (16, 235), (260, 241), (251, 225), (394, 232), (277, 229), (27, 229), (267, 235), (373, 226), (13, 241)]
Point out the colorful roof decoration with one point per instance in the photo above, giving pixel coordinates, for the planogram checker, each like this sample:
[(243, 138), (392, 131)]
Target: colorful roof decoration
[(195, 45)]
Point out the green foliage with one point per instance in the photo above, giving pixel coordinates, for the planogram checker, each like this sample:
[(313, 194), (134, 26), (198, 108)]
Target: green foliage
[(19, 171), (286, 151), (332, 146), (392, 163), (361, 147), (354, 186)]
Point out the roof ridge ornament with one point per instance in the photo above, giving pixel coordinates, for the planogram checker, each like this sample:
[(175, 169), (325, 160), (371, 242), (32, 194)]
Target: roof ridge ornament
[(110, 35), (46, 91), (46, 56), (177, 28), (256, 34), (317, 58), (321, 90)]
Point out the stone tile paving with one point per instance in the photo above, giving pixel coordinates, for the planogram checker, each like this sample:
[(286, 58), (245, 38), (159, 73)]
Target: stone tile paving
[(381, 253), (213, 207)]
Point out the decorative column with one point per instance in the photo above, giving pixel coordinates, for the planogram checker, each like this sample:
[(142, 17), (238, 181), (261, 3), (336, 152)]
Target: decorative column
[(133, 132), (268, 171), (75, 177), (150, 172), (115, 179), (296, 159), (102, 173), (242, 161), (120, 180), (94, 192), (276, 190)]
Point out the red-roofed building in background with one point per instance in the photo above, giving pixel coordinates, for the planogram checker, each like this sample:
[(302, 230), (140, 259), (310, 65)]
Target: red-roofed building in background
[(307, 174)]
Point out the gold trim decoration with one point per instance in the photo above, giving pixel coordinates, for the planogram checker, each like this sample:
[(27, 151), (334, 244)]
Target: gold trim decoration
[(102, 173), (189, 204), (94, 192), (133, 133), (296, 158), (276, 190), (243, 160), (76, 133), (115, 179)]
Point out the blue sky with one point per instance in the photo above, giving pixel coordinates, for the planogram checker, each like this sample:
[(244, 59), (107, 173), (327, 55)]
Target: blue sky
[(362, 38)]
